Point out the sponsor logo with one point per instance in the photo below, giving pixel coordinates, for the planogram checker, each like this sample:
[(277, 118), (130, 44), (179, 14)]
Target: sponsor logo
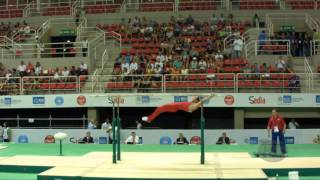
[(49, 139), (116, 100), (229, 100), (317, 99), (38, 100), (180, 98), (143, 99), (59, 100), (81, 100), (289, 99), (8, 101), (147, 99), (257, 100)]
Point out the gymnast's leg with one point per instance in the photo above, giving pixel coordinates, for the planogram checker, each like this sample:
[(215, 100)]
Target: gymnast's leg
[(160, 110)]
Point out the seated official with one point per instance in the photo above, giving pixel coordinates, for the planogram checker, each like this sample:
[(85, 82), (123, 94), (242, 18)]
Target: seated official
[(181, 140), (132, 139), (88, 139), (224, 139)]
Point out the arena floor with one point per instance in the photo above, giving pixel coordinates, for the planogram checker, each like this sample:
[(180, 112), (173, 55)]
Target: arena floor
[(82, 161)]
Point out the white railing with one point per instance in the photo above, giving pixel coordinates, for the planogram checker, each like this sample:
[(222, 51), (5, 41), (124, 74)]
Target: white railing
[(312, 23), (281, 82), (315, 47), (283, 18), (149, 6), (21, 35), (194, 5), (254, 4), (38, 50), (75, 7), (50, 84), (105, 58), (227, 41), (250, 49), (43, 29), (218, 82), (309, 74), (116, 37)]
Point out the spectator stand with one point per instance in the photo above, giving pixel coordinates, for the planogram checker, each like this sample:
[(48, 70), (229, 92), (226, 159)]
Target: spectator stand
[(101, 7), (46, 122), (301, 4), (274, 19), (267, 47), (43, 50), (255, 5)]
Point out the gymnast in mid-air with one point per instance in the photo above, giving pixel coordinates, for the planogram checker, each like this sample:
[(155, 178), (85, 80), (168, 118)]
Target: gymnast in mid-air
[(195, 104)]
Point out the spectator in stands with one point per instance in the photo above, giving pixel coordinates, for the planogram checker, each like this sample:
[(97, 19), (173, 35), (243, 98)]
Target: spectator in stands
[(306, 45), (88, 139), (262, 40), (202, 66), (38, 69), (29, 68), (293, 124), (107, 127), (255, 20), (85, 45), (157, 73), (133, 67), (194, 66), (91, 124), (213, 19), (316, 140), (57, 74), (6, 132), (281, 65), (294, 83), (181, 140), (299, 45), (65, 73), (2, 69), (237, 47), (224, 139), (1, 133), (22, 69), (73, 71), (83, 68), (132, 139)]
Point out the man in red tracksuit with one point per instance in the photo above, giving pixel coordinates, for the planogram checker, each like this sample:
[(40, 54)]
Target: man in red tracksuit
[(177, 106), (277, 126)]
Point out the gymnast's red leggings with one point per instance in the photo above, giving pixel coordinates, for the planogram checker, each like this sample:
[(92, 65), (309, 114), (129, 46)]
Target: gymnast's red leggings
[(172, 107)]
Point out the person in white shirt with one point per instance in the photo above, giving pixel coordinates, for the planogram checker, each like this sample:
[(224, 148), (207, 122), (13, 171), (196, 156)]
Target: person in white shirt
[(65, 72), (56, 75), (83, 68), (237, 47), (1, 133), (38, 69), (132, 139), (202, 65), (293, 124), (158, 62), (6, 132), (84, 48), (91, 125), (133, 67), (22, 68), (107, 127), (124, 65)]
